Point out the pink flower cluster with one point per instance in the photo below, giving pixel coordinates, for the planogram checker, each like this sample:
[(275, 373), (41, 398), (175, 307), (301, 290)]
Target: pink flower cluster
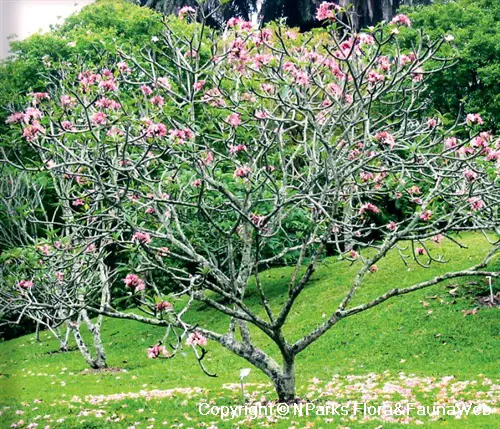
[(98, 118), (157, 351), (243, 172), (427, 215), (32, 131), (234, 119), (474, 118), (123, 67), (196, 339), (476, 203), (235, 149), (368, 207), (385, 138), (39, 96), (108, 83), (401, 19), (141, 237), (327, 10), (133, 280), (181, 136), (240, 23), (163, 306), (106, 103), (155, 130), (87, 79), (26, 284), (185, 11)]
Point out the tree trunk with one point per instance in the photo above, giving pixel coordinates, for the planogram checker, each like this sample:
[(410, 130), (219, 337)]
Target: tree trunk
[(95, 330), (99, 361), (284, 383)]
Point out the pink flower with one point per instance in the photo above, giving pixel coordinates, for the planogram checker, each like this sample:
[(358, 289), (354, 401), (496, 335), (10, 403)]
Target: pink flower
[(234, 119), (366, 176), (450, 142), (157, 100), (384, 63), (199, 85), (196, 183), (233, 150), (243, 172), (163, 306), (385, 138), (437, 238), (373, 269), (164, 83), (39, 96), (209, 158), (401, 19), (326, 10), (67, 125), (470, 175), (267, 88), (365, 39), (368, 207), (98, 118), (353, 254), (133, 280), (474, 118), (414, 190), (420, 251), (141, 237), (156, 130), (44, 249), (261, 114), (431, 123), (196, 339), (26, 284), (214, 98), (374, 76), (418, 74), (106, 103), (15, 118), (163, 251), (185, 11), (233, 22), (301, 78), (146, 90), (88, 78), (156, 351), (426, 215), (257, 219), (476, 203), (108, 84), (405, 59), (181, 136), (114, 131), (191, 54), (31, 132), (149, 210), (123, 67), (391, 226), (32, 113), (78, 202)]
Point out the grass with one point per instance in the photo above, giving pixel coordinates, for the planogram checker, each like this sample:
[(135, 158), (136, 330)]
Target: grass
[(414, 340)]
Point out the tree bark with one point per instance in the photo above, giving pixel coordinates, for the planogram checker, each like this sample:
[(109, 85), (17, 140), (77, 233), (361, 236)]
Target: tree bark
[(284, 382)]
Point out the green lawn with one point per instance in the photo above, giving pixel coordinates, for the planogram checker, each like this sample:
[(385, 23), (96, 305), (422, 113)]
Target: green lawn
[(420, 347)]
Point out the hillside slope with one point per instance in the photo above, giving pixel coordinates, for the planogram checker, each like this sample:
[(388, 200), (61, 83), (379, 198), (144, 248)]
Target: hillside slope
[(425, 337)]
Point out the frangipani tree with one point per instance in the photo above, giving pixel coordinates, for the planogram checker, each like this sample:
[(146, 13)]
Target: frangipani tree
[(33, 283), (213, 156)]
